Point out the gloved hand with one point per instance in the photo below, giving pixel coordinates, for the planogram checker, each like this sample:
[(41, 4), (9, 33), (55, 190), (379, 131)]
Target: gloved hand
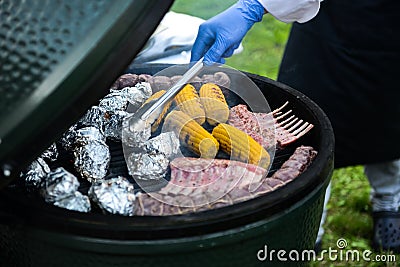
[(219, 36)]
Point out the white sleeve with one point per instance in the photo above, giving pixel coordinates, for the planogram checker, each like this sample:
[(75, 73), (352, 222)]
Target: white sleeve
[(292, 10)]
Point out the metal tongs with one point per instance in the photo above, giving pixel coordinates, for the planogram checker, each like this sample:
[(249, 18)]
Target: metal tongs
[(149, 112)]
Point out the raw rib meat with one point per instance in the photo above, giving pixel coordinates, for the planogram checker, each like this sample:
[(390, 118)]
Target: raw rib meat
[(203, 184)]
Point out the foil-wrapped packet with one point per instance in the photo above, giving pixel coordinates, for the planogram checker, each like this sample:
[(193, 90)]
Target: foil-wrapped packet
[(91, 153), (76, 201), (92, 160), (132, 96), (94, 117), (137, 95), (35, 173), (58, 185), (67, 141), (114, 101), (147, 166), (152, 162), (50, 153), (87, 135), (115, 195), (137, 136), (166, 143), (113, 124)]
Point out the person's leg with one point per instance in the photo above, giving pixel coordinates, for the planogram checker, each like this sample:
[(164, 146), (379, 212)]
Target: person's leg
[(385, 198), (385, 182), (321, 230)]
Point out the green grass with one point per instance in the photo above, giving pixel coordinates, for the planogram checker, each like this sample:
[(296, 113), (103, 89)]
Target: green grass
[(349, 208)]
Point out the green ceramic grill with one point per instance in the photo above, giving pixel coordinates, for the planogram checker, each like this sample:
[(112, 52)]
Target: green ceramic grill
[(57, 58)]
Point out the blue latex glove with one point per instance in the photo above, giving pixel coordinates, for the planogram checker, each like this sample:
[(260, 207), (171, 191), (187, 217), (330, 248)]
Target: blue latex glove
[(219, 36)]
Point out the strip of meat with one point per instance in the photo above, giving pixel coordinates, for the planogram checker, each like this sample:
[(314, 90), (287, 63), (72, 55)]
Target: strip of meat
[(203, 184), (296, 164), (258, 125)]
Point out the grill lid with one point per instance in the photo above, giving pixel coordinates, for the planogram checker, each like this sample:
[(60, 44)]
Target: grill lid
[(57, 58)]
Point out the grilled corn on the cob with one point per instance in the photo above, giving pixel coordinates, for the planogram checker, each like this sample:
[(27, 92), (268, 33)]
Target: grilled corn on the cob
[(192, 134), (188, 101), (214, 104), (240, 145)]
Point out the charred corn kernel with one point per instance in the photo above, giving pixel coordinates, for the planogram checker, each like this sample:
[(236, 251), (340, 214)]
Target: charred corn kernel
[(158, 121), (214, 104), (191, 134), (188, 101), (240, 145)]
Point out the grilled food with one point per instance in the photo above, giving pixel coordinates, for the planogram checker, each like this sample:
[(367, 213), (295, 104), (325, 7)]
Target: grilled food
[(188, 101), (191, 134), (240, 145), (214, 103)]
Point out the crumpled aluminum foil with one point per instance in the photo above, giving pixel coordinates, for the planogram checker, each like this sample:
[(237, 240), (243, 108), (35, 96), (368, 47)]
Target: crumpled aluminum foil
[(113, 124), (35, 173), (92, 160), (166, 143), (147, 166), (93, 117), (137, 95), (114, 101), (58, 185), (50, 153), (132, 96), (152, 162), (137, 136), (87, 135), (76, 201), (67, 141), (115, 195)]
